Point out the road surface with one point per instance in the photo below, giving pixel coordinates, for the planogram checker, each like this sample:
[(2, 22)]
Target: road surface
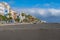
[(30, 32)]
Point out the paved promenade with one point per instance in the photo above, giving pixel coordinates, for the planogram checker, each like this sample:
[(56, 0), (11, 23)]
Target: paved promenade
[(30, 32)]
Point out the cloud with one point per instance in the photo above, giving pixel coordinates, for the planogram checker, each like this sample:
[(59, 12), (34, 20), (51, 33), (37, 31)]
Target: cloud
[(41, 11), (47, 14), (55, 12)]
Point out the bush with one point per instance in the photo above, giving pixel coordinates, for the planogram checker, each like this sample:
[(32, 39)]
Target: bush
[(17, 19)]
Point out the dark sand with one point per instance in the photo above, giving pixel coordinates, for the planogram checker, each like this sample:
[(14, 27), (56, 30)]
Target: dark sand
[(30, 32)]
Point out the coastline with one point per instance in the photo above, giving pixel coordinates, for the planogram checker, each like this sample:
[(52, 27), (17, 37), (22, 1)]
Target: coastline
[(27, 24), (13, 24)]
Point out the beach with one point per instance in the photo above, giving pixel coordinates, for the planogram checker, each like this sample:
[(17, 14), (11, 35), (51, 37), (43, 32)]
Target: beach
[(30, 32)]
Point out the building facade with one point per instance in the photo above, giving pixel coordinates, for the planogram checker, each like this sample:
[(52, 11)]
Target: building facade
[(4, 8), (13, 14)]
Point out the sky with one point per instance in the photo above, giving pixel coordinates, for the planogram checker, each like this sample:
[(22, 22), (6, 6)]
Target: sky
[(47, 10)]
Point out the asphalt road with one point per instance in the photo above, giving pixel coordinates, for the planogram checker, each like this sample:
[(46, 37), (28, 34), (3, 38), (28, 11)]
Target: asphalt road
[(30, 32)]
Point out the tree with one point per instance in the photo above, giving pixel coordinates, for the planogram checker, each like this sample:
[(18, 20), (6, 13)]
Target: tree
[(17, 20), (3, 18), (0, 17), (23, 14), (9, 14), (25, 20)]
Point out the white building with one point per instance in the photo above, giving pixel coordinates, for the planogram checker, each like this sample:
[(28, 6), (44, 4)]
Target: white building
[(21, 17), (4, 8)]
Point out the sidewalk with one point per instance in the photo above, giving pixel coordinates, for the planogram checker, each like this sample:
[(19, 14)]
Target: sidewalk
[(14, 24), (6, 24)]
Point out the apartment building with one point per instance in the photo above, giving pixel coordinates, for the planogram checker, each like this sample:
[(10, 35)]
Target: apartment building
[(4, 8), (13, 14)]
